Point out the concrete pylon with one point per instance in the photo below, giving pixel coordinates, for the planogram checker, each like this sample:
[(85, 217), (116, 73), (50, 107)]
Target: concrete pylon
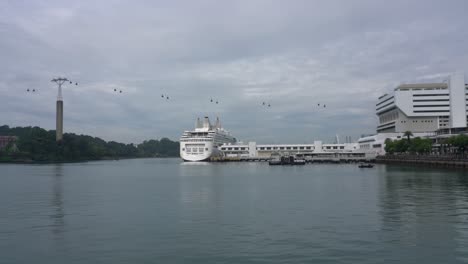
[(59, 117), (59, 121)]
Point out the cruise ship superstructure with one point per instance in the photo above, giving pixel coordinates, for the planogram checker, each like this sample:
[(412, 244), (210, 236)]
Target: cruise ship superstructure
[(202, 143)]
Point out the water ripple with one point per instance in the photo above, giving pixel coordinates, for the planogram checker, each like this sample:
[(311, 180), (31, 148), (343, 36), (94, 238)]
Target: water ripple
[(146, 211)]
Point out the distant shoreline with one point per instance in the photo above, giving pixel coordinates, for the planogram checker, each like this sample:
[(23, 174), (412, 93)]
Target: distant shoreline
[(35, 145), (35, 162)]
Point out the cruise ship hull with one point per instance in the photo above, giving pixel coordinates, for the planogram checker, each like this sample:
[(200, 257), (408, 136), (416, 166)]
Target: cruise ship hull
[(195, 159), (204, 152)]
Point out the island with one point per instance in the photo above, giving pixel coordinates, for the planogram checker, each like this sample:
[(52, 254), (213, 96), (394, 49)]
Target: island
[(38, 145)]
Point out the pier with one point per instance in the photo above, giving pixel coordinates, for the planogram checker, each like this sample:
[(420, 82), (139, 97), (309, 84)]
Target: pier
[(308, 160), (317, 152)]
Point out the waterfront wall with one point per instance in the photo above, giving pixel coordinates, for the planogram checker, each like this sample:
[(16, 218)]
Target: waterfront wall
[(453, 161)]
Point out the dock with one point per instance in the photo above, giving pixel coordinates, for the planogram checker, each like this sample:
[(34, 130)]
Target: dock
[(317, 160)]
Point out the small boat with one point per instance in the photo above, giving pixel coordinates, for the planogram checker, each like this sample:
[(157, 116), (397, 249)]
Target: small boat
[(299, 162), (366, 165), (285, 160), (275, 162), (276, 159)]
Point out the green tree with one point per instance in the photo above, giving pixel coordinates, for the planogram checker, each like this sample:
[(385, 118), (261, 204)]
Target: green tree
[(408, 134), (164, 148), (389, 146), (401, 146), (38, 144), (420, 145), (459, 141)]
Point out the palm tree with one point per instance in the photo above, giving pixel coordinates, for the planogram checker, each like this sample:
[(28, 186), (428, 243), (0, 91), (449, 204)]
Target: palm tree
[(408, 134)]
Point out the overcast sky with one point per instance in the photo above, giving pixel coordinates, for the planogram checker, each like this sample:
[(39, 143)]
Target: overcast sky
[(291, 54)]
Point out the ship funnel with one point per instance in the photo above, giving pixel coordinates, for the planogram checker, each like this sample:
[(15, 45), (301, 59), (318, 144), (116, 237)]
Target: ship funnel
[(218, 124), (198, 124), (206, 123)]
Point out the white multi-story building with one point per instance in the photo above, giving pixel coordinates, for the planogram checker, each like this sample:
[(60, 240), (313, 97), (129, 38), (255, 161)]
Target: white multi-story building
[(424, 107)]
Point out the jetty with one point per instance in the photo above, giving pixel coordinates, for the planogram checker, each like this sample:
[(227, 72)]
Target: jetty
[(308, 160)]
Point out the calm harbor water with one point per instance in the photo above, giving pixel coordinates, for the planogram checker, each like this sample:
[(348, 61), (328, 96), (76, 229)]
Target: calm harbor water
[(164, 211)]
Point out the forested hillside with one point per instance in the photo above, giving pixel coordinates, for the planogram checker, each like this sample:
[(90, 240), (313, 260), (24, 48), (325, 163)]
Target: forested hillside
[(37, 144)]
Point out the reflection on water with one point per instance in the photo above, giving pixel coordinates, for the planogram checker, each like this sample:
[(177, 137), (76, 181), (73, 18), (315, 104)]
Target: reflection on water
[(419, 206), (162, 210), (198, 192), (58, 216), (196, 163)]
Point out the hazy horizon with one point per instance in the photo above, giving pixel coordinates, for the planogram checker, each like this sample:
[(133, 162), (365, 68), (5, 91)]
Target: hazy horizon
[(292, 54)]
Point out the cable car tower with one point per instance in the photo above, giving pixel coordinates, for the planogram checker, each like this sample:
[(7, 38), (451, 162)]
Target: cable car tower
[(59, 114)]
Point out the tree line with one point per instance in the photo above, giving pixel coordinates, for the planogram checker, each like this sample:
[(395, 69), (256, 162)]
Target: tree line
[(415, 145), (39, 145), (457, 144), (452, 145)]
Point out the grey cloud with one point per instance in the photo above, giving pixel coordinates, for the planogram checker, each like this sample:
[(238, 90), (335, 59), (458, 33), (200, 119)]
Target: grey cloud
[(293, 54)]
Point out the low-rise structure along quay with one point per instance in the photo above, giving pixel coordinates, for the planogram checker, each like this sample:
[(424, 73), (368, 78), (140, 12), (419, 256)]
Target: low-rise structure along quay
[(318, 151)]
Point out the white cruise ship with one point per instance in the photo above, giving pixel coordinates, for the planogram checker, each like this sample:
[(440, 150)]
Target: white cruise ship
[(203, 142)]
